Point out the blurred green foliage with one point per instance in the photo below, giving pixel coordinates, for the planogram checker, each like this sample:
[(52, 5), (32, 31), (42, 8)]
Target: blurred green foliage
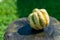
[(7, 15)]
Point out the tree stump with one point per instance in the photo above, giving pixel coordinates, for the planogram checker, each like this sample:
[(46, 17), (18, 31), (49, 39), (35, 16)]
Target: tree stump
[(21, 30)]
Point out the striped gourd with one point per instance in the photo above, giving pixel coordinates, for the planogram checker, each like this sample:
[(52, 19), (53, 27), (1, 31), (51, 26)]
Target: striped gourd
[(39, 19)]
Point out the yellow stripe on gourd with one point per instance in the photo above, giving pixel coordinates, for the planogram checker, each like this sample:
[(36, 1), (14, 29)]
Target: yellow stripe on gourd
[(44, 12)]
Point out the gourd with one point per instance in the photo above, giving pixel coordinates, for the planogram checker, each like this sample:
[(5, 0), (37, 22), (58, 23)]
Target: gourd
[(39, 19)]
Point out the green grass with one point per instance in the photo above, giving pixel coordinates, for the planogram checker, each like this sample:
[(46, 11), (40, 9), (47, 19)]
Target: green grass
[(7, 15), (13, 9)]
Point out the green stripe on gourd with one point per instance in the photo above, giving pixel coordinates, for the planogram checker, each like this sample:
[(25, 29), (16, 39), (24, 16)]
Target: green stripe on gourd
[(35, 23), (41, 17), (31, 22), (40, 21), (36, 19)]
